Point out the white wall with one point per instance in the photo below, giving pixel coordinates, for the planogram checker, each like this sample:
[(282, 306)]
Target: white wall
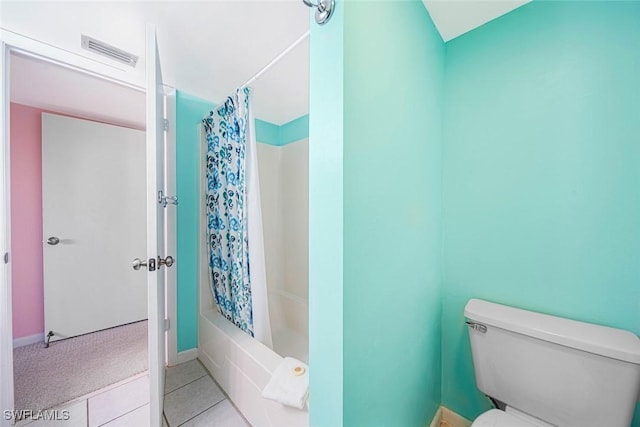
[(295, 203), (270, 168), (60, 24), (284, 192)]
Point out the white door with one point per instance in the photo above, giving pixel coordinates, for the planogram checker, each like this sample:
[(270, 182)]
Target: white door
[(94, 223), (156, 255)]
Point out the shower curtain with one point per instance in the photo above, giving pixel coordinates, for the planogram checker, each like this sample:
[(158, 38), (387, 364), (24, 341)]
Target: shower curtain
[(237, 271)]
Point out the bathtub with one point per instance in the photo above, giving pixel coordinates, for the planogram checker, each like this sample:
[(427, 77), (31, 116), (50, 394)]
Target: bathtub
[(242, 366)]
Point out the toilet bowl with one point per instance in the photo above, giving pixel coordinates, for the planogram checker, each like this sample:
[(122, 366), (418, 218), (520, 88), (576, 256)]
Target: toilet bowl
[(508, 418)]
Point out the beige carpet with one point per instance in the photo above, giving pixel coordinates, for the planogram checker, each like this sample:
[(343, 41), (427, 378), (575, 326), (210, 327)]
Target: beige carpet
[(71, 368)]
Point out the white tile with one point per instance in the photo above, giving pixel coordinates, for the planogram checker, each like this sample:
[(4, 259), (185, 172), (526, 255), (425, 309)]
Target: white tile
[(140, 417), (75, 414), (164, 421), (223, 414), (182, 374), (190, 400), (118, 401)]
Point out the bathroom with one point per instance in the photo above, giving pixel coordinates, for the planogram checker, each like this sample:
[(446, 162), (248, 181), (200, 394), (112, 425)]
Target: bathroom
[(512, 177)]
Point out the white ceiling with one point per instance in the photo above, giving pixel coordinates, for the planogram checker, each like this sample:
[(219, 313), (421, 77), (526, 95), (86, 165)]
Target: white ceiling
[(207, 48), (218, 46), (51, 87), (456, 17)]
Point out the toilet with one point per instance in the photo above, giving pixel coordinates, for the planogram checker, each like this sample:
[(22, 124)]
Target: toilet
[(549, 371)]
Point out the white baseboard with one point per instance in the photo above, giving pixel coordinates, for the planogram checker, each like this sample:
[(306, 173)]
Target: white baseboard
[(31, 339), (187, 355), (451, 419)]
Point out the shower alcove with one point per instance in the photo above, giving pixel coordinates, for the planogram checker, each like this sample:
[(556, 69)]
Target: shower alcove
[(239, 363)]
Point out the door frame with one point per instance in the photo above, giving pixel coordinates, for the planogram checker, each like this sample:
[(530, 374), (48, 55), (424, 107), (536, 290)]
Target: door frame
[(11, 42), (171, 232)]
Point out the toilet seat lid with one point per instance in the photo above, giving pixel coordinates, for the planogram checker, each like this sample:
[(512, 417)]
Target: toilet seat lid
[(497, 418)]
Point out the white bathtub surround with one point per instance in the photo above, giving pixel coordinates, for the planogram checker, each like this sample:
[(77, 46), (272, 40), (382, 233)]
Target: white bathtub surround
[(259, 294), (289, 384), (290, 324), (271, 194), (242, 366), (284, 186), (295, 215)]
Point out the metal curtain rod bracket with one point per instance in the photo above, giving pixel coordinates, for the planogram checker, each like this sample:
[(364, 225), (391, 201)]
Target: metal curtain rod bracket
[(324, 9)]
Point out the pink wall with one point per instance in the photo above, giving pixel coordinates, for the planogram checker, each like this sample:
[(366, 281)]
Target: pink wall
[(26, 218), (26, 221)]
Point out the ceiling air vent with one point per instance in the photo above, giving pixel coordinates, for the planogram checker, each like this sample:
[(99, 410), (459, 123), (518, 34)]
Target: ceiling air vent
[(109, 51)]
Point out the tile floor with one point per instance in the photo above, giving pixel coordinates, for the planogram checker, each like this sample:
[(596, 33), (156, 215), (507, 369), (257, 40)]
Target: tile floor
[(193, 399), (125, 404)]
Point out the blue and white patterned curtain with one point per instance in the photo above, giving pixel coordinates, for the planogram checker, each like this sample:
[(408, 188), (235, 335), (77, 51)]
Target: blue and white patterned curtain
[(226, 209)]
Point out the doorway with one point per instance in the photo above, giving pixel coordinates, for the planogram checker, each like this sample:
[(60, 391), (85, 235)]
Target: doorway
[(14, 44), (77, 208)]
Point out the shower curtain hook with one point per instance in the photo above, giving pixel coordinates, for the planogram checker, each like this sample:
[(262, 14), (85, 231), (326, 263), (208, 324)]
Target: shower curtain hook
[(324, 9)]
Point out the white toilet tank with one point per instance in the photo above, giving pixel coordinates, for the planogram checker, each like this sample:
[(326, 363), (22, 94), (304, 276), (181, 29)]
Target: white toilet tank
[(564, 372)]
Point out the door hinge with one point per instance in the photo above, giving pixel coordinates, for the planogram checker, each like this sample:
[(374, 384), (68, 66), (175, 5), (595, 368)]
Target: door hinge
[(167, 324), (165, 200), (165, 125), (6, 257)]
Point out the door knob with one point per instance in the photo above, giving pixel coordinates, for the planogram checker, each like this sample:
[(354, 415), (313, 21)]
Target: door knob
[(168, 261), (53, 240), (137, 263)]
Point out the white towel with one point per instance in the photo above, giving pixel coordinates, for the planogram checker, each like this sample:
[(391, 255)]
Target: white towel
[(289, 384)]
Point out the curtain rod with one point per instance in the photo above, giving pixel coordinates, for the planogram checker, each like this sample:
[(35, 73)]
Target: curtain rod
[(276, 59)]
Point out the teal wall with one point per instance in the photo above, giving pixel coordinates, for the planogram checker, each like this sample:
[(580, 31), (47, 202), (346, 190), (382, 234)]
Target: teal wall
[(326, 142), (393, 94), (374, 206), (541, 202), (293, 131), (189, 112), (279, 135), (269, 132)]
